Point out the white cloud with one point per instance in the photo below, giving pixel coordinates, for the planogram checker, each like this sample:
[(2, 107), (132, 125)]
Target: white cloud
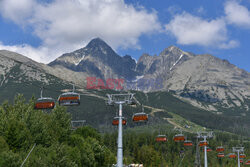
[(64, 25), (237, 14), (192, 30), (201, 10), (173, 9), (229, 44), (16, 10), (39, 54)]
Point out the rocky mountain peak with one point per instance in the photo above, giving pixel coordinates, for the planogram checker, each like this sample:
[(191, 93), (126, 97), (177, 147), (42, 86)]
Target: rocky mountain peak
[(198, 78), (172, 47), (97, 43), (129, 59), (144, 56), (129, 62), (98, 59), (168, 59), (96, 48), (171, 50)]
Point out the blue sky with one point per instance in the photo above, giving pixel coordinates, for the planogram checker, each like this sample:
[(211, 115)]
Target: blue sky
[(43, 30)]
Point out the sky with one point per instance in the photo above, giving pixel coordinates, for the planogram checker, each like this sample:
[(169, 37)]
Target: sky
[(45, 29)]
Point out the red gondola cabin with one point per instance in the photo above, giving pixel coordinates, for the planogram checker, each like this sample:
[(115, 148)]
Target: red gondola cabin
[(161, 138), (69, 99), (243, 156), (232, 155), (45, 103), (140, 117), (220, 149), (220, 155), (179, 138), (188, 143), (203, 143), (115, 121)]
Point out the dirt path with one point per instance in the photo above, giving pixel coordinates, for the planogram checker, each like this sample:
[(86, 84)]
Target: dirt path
[(154, 110), (177, 126)]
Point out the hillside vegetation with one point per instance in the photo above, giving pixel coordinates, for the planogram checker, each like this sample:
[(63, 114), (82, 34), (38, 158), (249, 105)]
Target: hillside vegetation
[(57, 145)]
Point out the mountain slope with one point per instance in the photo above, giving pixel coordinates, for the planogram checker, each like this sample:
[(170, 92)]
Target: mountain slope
[(191, 85), (19, 74), (203, 80), (211, 80), (97, 59)]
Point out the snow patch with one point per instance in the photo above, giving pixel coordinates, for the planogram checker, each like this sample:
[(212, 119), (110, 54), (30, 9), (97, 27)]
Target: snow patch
[(176, 62), (171, 48), (76, 63), (103, 50), (138, 78), (134, 60)]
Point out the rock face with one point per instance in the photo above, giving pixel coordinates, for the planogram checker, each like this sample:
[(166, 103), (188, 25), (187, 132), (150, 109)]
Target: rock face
[(165, 62), (203, 80), (12, 63), (98, 59), (19, 74), (156, 70), (30, 70)]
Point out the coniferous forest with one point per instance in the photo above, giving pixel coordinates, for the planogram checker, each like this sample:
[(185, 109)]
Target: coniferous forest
[(56, 144)]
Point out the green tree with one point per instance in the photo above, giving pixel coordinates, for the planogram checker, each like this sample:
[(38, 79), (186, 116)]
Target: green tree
[(17, 135), (9, 159), (148, 156)]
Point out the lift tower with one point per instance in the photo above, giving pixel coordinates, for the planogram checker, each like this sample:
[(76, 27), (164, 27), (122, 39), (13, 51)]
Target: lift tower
[(238, 150), (119, 99), (205, 136), (197, 156)]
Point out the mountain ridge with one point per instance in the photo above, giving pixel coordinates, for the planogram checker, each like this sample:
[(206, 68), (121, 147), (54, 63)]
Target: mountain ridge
[(203, 80), (97, 59), (200, 88)]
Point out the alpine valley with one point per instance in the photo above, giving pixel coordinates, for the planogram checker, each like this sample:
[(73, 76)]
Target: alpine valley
[(192, 91)]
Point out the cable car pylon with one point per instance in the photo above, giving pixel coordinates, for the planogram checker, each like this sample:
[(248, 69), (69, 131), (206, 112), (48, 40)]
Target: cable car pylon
[(238, 150), (197, 155), (120, 99), (205, 136)]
